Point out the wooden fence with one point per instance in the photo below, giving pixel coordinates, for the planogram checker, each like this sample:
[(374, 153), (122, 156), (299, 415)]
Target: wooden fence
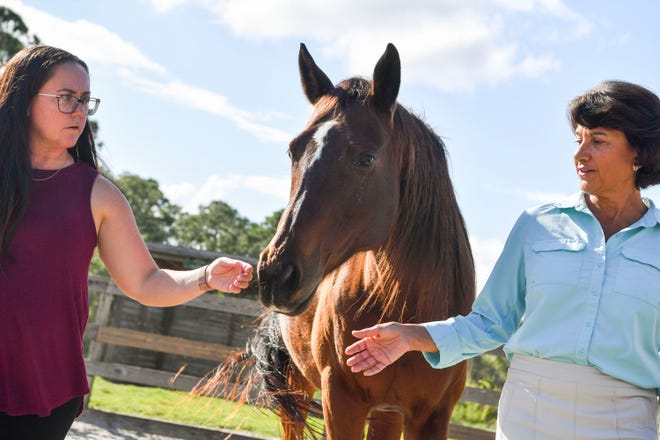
[(132, 343)]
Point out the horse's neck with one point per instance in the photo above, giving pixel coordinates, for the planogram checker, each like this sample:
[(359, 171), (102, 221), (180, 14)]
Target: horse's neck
[(398, 293)]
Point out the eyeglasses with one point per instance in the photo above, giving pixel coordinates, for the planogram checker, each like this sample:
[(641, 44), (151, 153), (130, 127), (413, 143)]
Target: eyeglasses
[(68, 103)]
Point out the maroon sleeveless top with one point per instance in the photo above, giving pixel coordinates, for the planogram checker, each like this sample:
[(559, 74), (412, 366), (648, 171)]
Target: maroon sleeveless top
[(43, 294)]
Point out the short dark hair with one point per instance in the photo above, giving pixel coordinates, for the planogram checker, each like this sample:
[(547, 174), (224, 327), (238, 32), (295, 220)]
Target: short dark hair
[(630, 108)]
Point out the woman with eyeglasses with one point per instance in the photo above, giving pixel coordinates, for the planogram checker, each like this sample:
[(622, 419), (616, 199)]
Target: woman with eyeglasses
[(55, 209)]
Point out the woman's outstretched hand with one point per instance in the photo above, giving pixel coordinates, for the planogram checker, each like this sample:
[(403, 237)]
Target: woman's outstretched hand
[(229, 275), (377, 348), (382, 344)]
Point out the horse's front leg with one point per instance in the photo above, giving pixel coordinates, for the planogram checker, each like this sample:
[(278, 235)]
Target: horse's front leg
[(385, 425), (343, 412), (434, 424)]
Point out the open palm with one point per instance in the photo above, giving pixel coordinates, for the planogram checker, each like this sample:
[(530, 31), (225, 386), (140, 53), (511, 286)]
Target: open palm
[(378, 347)]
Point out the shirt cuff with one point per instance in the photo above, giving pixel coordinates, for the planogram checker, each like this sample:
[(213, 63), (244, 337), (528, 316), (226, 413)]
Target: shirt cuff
[(446, 339)]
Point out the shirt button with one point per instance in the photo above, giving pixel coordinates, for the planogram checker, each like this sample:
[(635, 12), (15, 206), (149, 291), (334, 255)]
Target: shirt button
[(581, 352), (594, 292), (588, 323)]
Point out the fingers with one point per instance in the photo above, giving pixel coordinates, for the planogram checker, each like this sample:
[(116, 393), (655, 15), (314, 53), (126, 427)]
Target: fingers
[(240, 266), (243, 279), (367, 332), (356, 347), (363, 362), (232, 289), (239, 283), (234, 274), (247, 270)]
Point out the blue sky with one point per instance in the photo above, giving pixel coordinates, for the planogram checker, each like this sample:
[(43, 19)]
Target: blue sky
[(204, 95)]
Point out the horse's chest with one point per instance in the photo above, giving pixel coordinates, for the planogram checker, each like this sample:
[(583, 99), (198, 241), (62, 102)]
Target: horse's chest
[(297, 335)]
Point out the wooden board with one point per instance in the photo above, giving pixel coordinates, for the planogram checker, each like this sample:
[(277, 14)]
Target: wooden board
[(165, 344)]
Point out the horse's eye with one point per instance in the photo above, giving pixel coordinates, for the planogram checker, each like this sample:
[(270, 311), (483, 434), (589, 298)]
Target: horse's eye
[(365, 160)]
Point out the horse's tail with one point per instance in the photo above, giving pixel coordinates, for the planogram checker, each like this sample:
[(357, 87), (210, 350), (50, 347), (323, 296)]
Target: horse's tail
[(264, 375), (283, 386)]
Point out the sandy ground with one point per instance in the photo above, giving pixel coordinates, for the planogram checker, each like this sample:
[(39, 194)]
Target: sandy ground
[(99, 425), (87, 430)]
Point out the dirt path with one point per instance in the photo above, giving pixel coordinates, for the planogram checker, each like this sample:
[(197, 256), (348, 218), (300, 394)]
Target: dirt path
[(100, 425), (89, 430)]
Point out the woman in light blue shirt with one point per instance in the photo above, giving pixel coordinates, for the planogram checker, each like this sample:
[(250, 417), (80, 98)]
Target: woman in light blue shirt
[(574, 297)]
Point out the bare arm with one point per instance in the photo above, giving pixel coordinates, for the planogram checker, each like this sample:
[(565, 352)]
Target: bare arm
[(382, 344), (131, 266)]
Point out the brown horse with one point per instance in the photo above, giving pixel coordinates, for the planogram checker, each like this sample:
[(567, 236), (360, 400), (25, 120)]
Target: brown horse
[(372, 232)]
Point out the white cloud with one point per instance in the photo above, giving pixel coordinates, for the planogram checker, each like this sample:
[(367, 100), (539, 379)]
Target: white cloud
[(93, 43), (190, 197), (104, 49), (582, 26), (451, 45), (535, 66), (210, 102), (555, 8), (166, 5)]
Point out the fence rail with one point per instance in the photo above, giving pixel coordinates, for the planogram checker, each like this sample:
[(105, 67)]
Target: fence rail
[(106, 331)]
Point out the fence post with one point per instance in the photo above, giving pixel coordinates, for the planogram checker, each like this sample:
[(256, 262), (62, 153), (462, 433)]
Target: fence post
[(104, 306)]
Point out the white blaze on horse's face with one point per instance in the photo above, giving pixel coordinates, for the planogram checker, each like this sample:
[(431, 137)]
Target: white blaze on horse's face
[(320, 135)]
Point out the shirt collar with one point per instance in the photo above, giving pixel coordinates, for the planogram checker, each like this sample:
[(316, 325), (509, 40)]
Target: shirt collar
[(652, 216), (577, 201)]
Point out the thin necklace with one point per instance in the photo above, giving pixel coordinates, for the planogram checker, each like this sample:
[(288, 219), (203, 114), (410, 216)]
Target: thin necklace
[(47, 178)]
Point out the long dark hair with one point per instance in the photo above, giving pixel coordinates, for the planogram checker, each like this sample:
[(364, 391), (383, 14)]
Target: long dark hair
[(630, 108), (21, 80)]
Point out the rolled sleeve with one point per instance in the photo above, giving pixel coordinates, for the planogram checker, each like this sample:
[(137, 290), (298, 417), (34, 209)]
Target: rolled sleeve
[(446, 338)]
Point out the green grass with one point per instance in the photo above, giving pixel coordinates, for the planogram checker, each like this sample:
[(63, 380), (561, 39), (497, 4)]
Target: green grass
[(474, 415), (182, 407)]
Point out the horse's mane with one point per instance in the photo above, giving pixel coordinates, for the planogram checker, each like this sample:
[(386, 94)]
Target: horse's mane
[(428, 251), (426, 270)]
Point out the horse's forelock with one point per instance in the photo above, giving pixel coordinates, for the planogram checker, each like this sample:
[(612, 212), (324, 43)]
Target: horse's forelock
[(349, 91), (355, 89)]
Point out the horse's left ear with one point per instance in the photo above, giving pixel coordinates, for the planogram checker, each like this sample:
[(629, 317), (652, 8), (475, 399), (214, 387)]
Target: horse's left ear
[(387, 78), (315, 82)]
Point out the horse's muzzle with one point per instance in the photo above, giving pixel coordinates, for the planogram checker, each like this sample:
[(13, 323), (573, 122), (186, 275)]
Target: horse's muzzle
[(279, 284)]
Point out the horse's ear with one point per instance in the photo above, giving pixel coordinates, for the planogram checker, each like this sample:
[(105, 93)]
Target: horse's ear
[(387, 78), (315, 82)]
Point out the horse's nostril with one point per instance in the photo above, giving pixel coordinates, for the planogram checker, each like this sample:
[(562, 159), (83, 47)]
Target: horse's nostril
[(289, 277), (287, 272)]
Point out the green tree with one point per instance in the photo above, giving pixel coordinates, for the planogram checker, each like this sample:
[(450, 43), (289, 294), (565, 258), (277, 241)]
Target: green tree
[(155, 215), (94, 126), (14, 34), (217, 227), (258, 235)]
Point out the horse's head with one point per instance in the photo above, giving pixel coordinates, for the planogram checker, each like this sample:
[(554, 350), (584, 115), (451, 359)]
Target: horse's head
[(344, 182)]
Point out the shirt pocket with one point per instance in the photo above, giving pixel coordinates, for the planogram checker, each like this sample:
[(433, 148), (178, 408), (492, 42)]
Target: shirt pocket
[(554, 261), (638, 275)]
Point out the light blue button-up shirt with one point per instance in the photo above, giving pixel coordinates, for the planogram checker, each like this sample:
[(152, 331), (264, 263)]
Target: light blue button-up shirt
[(559, 291)]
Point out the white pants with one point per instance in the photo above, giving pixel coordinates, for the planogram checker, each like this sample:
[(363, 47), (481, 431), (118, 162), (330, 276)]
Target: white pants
[(544, 399)]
